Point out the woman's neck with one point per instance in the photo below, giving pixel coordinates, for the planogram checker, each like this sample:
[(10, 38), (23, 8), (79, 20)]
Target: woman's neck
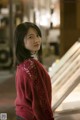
[(34, 55)]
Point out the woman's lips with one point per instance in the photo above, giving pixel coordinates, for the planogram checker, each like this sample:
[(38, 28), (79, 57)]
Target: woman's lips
[(36, 44)]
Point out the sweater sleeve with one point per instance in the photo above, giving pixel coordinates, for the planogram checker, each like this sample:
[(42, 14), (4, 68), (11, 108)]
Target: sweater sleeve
[(40, 101)]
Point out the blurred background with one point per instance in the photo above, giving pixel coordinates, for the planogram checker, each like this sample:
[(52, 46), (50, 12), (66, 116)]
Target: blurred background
[(59, 21)]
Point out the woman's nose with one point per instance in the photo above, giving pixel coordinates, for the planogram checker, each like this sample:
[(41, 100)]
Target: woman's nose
[(36, 39)]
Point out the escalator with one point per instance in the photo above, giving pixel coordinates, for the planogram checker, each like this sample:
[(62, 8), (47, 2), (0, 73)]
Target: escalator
[(65, 79)]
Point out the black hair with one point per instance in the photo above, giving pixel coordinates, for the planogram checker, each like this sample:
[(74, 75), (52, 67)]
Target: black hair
[(20, 32)]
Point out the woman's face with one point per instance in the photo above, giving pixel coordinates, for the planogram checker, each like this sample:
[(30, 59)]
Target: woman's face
[(32, 40)]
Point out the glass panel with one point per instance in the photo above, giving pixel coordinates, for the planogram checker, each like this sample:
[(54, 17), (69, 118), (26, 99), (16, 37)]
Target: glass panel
[(66, 77), (56, 67), (72, 102)]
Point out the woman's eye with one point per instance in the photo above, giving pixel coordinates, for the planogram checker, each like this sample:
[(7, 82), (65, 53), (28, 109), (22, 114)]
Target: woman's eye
[(33, 37), (30, 37), (37, 35)]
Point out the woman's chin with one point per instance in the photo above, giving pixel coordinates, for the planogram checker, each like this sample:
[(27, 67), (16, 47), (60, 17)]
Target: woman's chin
[(37, 48)]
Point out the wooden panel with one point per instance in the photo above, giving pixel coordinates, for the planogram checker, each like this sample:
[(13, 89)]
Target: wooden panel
[(69, 14), (69, 31), (78, 14), (4, 2)]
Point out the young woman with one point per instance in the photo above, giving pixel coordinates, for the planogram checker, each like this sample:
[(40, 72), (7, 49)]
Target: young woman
[(33, 86)]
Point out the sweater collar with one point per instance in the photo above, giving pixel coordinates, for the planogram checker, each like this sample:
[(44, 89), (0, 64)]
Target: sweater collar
[(34, 56)]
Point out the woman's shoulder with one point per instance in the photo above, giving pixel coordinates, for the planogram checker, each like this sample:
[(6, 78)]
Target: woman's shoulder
[(28, 64), (28, 67)]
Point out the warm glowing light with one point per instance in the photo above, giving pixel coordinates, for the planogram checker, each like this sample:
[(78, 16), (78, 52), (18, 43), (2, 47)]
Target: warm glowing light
[(43, 18), (25, 19), (55, 19), (5, 11)]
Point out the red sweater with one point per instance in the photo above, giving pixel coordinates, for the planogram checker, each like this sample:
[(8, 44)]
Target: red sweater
[(33, 86)]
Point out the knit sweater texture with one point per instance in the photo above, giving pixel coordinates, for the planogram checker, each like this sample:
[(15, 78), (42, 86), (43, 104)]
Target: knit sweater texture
[(33, 91)]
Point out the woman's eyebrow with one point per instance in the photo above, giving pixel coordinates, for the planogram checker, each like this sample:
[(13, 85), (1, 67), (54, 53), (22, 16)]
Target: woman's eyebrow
[(30, 34)]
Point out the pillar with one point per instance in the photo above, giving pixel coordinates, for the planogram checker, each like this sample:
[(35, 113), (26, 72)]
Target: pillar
[(70, 24)]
